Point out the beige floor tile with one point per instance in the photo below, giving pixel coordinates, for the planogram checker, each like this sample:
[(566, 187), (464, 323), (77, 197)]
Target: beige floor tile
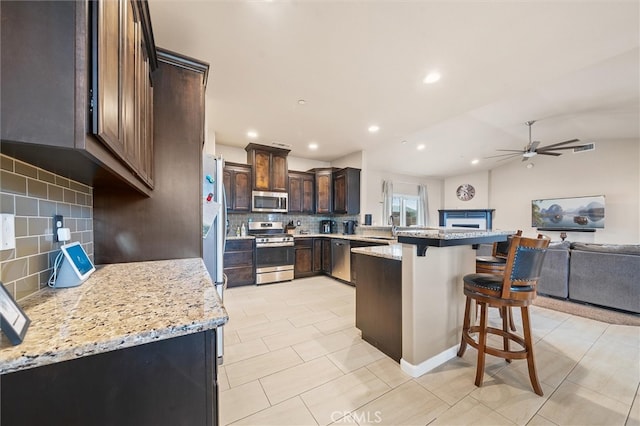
[(389, 372), (287, 311), (243, 350), (348, 310), (356, 356), (230, 337), (346, 420), (265, 329), (241, 401), (634, 413), (260, 366), (324, 345), (538, 420), (291, 412), (568, 343), (610, 368), (293, 381), (454, 380), (332, 401), (408, 404), (510, 394), (585, 328), (223, 380), (470, 411), (237, 322), (335, 324), (576, 405), (552, 366), (312, 318), (291, 337), (625, 334)]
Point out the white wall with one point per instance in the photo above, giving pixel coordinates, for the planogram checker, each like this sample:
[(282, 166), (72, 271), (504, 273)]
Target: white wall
[(480, 182), (612, 170), (355, 159)]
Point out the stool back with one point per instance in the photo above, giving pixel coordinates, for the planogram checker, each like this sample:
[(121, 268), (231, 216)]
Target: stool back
[(524, 263), (501, 249)]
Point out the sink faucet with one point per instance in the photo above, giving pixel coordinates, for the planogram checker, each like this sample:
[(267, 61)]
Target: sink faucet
[(391, 220)]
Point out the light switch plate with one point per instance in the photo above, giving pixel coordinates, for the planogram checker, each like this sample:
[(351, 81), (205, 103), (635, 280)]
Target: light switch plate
[(7, 231)]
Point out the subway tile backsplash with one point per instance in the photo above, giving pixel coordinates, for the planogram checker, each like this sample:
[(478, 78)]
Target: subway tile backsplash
[(34, 196), (308, 223)]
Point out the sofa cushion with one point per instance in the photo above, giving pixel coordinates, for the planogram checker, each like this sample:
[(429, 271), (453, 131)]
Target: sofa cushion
[(554, 276), (605, 278), (630, 249)]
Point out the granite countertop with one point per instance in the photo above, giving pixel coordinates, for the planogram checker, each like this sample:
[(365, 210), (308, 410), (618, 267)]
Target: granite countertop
[(354, 237), (391, 251), (450, 234), (119, 306)]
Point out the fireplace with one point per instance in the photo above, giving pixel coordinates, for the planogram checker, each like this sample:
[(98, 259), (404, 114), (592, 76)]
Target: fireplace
[(481, 219)]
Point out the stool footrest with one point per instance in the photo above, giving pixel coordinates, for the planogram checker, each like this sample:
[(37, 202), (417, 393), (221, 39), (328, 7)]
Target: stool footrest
[(510, 354)]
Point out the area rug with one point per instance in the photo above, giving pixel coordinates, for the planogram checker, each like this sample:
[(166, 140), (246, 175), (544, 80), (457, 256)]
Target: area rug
[(587, 311)]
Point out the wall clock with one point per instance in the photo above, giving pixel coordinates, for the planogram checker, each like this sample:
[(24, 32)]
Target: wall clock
[(465, 192)]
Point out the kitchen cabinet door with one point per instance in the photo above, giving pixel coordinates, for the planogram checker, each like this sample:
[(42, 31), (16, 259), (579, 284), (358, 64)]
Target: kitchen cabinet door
[(303, 257), (237, 185), (324, 191), (346, 191), (301, 191), (317, 255), (239, 262), (270, 170), (326, 255)]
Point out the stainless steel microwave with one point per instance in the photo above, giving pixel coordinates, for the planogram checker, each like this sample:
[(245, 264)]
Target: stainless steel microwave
[(263, 201)]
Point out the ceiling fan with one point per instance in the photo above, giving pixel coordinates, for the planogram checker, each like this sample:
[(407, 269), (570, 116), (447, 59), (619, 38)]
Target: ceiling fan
[(531, 150)]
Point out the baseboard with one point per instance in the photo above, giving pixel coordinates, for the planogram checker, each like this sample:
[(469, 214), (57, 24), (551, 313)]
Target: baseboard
[(429, 364)]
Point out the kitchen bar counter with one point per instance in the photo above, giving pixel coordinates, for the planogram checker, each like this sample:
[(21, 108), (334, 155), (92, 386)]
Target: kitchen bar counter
[(382, 240), (119, 306), (391, 251)]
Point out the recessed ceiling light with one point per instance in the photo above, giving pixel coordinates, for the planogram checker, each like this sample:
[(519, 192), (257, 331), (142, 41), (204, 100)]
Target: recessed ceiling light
[(432, 77), (373, 128), (301, 102), (530, 166), (421, 147), (313, 145), (251, 134), (475, 161), (404, 142)]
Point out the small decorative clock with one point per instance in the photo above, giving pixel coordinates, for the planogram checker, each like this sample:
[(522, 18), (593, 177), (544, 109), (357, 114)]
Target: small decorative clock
[(465, 192)]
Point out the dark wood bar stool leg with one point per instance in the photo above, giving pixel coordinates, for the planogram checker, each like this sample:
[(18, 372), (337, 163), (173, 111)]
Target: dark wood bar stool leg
[(531, 364), (506, 321), (482, 343), (466, 323)]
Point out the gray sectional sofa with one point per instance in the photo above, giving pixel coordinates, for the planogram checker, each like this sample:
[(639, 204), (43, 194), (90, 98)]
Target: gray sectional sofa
[(607, 275)]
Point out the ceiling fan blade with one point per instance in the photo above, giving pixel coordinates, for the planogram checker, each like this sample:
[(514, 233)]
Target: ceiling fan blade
[(555, 154), (505, 155), (543, 149), (533, 145), (511, 150), (560, 143)]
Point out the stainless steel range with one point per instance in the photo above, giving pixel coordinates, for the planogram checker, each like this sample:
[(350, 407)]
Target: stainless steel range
[(274, 252)]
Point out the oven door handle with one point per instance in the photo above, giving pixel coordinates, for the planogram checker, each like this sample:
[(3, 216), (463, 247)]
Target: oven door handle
[(259, 246)]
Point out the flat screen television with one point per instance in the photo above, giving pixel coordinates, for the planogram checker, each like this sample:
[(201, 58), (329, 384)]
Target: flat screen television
[(569, 214)]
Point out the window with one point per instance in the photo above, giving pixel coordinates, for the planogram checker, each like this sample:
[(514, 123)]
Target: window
[(405, 210)]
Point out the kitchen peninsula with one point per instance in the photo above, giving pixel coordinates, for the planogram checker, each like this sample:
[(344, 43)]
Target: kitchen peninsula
[(433, 262), (134, 344)]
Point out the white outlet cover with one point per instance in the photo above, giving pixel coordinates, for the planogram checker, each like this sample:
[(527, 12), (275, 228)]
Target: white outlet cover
[(7, 231)]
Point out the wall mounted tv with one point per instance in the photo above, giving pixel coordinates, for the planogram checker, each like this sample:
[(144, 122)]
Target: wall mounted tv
[(568, 214)]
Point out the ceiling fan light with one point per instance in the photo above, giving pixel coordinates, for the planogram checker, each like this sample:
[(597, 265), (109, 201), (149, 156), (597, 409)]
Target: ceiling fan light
[(529, 154)]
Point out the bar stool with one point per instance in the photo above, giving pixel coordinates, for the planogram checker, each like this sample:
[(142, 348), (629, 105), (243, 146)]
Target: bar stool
[(495, 264), (515, 288)]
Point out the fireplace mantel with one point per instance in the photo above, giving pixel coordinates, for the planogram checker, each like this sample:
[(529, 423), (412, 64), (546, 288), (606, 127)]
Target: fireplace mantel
[(468, 218)]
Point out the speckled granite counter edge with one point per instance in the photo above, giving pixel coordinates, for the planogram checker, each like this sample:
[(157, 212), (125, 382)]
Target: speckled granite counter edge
[(392, 251), (119, 306)]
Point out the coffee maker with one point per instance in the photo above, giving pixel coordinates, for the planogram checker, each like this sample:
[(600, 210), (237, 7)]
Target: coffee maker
[(328, 227), (349, 227)]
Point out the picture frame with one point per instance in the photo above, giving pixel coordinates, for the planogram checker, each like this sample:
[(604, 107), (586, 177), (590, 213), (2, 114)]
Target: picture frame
[(13, 321)]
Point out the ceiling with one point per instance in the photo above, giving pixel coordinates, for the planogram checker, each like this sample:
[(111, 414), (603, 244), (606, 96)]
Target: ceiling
[(572, 65)]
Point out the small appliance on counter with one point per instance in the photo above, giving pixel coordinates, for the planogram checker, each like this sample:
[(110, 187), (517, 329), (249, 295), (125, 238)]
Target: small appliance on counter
[(328, 227), (349, 227)]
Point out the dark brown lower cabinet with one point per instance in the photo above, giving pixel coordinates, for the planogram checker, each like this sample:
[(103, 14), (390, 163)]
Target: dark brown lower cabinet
[(168, 382), (309, 256), (239, 259), (379, 303), (326, 256), (354, 260)]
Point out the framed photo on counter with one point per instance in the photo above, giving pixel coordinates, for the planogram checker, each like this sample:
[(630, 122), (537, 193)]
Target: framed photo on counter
[(13, 321)]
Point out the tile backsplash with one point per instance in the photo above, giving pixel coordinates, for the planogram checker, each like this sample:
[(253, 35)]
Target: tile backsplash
[(34, 196), (310, 223)]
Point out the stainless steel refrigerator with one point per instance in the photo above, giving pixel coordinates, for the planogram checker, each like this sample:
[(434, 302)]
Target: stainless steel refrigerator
[(214, 224)]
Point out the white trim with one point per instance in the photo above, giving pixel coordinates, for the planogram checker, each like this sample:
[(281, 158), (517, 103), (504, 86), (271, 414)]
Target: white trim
[(429, 364)]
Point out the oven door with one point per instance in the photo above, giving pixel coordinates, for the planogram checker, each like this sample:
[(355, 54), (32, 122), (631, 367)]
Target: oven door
[(274, 263)]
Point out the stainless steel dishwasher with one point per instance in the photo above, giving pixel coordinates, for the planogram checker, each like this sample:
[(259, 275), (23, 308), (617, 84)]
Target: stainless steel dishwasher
[(341, 259)]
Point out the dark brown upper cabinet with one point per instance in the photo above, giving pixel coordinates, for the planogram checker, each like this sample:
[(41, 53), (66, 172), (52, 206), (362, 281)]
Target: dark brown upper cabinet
[(301, 192), (270, 171), (346, 191), (237, 186), (324, 190), (77, 92)]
